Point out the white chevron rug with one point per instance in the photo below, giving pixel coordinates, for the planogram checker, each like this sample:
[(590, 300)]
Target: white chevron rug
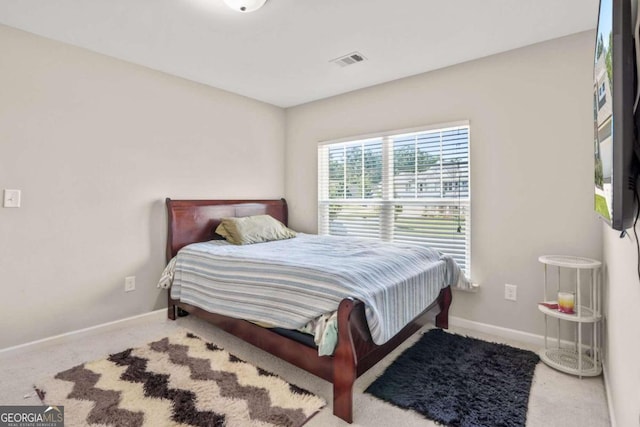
[(176, 381)]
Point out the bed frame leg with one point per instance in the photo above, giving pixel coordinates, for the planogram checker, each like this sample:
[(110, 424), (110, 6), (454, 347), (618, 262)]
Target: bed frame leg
[(343, 398), (344, 365), (171, 308), (444, 302)]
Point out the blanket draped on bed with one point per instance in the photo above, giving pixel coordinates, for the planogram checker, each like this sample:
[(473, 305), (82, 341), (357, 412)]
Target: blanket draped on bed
[(286, 283)]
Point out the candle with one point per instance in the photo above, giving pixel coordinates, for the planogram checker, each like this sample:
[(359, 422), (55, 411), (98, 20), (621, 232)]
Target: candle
[(566, 302)]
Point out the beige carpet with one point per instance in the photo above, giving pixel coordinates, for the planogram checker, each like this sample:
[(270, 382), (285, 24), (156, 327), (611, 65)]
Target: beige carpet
[(179, 380), (556, 400)]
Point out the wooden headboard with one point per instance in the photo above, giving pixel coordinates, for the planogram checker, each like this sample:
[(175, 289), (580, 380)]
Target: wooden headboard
[(192, 221)]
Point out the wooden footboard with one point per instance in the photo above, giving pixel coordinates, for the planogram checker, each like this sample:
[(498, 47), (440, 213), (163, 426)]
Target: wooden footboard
[(345, 363), (356, 352)]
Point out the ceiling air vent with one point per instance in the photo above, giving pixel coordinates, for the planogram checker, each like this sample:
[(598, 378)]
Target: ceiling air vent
[(352, 58)]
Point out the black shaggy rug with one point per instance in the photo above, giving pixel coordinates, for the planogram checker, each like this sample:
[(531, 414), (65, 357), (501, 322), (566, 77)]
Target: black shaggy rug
[(460, 381)]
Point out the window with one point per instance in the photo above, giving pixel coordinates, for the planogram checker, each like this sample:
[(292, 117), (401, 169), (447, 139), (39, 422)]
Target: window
[(602, 95), (602, 91), (405, 186)]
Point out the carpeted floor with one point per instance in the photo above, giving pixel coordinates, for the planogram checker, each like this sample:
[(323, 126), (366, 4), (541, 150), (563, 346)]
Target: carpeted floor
[(460, 381), (556, 400), (178, 380)]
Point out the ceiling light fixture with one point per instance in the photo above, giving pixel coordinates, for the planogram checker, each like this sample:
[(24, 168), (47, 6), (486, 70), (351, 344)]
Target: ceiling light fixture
[(245, 5)]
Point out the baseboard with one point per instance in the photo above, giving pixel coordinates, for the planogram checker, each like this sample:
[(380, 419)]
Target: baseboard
[(526, 337), (485, 328), (82, 333), (512, 334), (607, 392)]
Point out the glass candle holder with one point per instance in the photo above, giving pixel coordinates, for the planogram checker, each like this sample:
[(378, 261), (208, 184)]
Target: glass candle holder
[(566, 302)]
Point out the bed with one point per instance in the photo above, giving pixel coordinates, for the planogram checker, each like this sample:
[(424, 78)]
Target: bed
[(194, 221)]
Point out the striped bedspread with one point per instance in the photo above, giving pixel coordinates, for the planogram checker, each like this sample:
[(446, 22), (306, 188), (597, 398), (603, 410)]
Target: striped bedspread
[(286, 283)]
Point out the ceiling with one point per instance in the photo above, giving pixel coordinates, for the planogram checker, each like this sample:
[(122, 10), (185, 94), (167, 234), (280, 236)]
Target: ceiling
[(281, 53)]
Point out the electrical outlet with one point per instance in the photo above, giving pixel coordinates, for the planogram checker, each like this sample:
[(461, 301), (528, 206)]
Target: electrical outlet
[(130, 283), (11, 198), (510, 292)]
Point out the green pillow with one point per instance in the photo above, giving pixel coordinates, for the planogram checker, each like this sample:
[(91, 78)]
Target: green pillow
[(253, 229)]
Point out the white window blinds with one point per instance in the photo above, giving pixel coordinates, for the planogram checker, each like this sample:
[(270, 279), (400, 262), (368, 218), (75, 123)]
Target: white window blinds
[(408, 187)]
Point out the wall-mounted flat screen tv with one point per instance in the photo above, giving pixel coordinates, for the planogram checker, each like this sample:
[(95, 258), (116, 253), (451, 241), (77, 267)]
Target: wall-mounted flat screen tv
[(614, 91)]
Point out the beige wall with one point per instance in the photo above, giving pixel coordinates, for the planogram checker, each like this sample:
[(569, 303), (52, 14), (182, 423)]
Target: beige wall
[(622, 326), (530, 112), (95, 145)]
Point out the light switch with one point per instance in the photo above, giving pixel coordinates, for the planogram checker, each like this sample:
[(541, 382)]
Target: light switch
[(11, 198)]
